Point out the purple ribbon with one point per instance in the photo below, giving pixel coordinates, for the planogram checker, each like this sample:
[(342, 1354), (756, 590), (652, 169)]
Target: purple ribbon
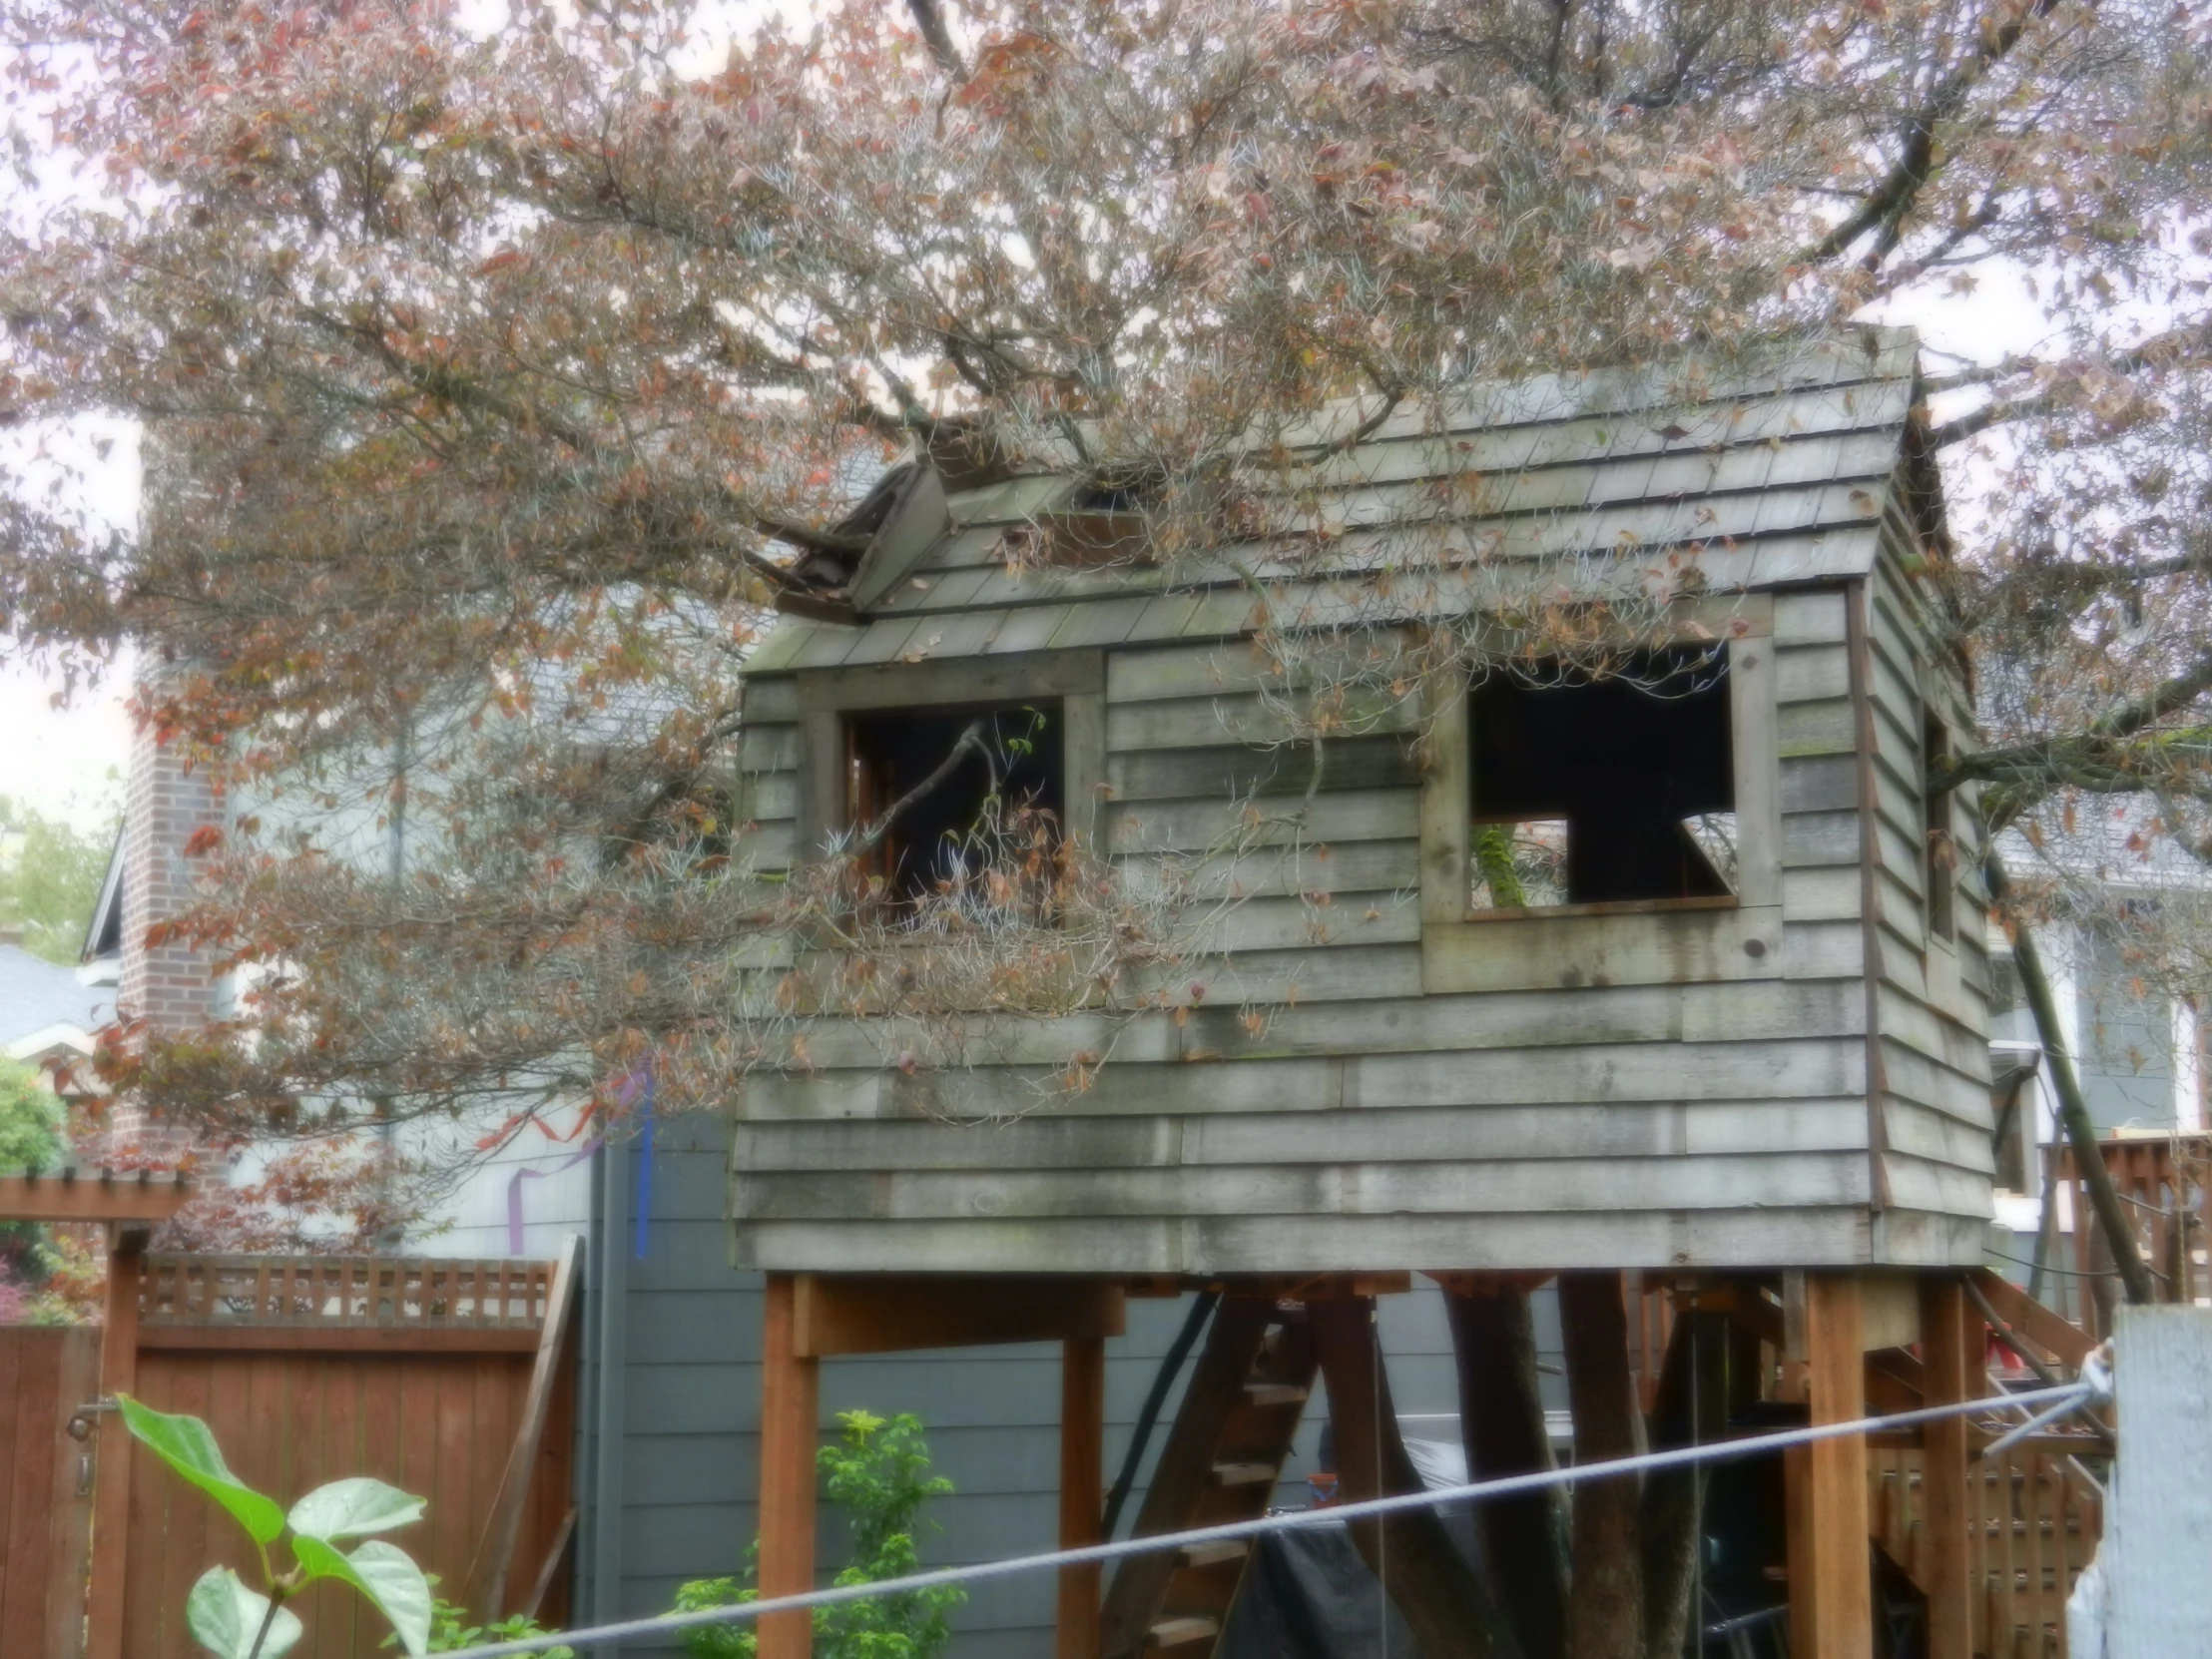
[(514, 1189)]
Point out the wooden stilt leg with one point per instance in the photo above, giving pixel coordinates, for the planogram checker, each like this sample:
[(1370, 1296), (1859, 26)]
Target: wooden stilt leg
[(110, 1499), (1835, 1550), (1946, 1360), (1082, 1489), (790, 1406)]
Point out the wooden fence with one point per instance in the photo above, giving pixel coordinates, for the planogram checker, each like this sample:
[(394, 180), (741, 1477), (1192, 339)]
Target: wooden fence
[(435, 1376), (46, 1373)]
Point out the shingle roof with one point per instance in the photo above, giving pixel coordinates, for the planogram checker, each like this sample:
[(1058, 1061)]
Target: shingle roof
[(35, 994), (1775, 471)]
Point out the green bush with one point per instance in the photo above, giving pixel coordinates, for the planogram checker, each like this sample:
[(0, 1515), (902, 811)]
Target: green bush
[(879, 1472), (450, 1631)]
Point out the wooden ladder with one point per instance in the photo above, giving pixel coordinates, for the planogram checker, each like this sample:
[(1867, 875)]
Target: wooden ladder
[(1221, 1464)]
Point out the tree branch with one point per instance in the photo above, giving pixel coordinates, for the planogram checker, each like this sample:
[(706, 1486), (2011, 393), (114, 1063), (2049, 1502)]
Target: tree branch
[(969, 741), (930, 21), (2097, 757), (1893, 199)]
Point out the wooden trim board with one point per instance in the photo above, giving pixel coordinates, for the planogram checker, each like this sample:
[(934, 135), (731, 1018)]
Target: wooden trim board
[(893, 1313)]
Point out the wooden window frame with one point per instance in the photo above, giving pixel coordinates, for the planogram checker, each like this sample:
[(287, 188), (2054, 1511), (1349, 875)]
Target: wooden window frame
[(1076, 680), (1637, 942)]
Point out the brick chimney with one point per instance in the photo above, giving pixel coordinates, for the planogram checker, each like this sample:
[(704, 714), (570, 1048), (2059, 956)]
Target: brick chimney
[(169, 985)]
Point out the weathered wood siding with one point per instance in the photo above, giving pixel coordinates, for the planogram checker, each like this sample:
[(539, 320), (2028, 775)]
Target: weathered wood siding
[(1374, 1081), (1369, 1123), (1930, 993)]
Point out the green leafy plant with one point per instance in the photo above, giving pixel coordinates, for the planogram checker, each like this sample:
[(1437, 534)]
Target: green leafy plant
[(232, 1619), (878, 1470), (450, 1631)]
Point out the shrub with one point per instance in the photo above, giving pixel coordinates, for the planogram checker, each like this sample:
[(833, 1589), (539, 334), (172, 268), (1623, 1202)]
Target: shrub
[(878, 1470)]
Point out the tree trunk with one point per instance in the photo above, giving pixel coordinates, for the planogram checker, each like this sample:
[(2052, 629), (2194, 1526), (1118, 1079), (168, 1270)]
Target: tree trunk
[(1692, 1408), (1605, 1615), (1501, 1425), (2073, 1109), (1451, 1610)]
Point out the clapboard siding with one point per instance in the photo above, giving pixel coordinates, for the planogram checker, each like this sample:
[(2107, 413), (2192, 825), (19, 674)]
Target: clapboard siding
[(1834, 1236), (1929, 990), (1341, 1068)]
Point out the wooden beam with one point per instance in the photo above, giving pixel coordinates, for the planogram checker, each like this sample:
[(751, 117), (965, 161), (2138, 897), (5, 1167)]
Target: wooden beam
[(1082, 1489), (110, 1501), (1949, 1373), (2031, 1319), (486, 1591), (888, 1313), (791, 1403), (1831, 1590), (142, 1199)]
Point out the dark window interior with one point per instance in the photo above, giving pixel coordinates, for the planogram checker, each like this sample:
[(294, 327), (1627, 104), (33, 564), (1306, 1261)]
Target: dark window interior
[(1942, 856), (893, 754), (1637, 765)]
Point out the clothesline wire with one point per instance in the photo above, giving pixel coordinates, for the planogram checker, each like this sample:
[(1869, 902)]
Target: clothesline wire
[(2092, 1387)]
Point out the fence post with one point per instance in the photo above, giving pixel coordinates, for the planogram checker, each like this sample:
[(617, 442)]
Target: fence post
[(110, 1499)]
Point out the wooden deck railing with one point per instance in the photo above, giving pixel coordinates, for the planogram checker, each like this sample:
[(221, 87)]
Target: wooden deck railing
[(377, 1300), (2165, 1184)]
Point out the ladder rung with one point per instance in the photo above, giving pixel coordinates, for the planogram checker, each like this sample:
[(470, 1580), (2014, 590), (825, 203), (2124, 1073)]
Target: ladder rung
[(1175, 1633), (1244, 1474), (1221, 1549), (1274, 1393)]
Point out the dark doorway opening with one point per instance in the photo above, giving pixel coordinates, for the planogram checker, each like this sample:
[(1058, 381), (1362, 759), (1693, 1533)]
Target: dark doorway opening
[(1601, 790)]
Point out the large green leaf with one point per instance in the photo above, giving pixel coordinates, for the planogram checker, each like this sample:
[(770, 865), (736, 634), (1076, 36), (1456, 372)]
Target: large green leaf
[(187, 1445), (352, 1509), (224, 1616), (384, 1573)]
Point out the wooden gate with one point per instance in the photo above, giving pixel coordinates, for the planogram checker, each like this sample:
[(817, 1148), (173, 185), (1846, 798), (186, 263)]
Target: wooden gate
[(46, 1373), (430, 1374)]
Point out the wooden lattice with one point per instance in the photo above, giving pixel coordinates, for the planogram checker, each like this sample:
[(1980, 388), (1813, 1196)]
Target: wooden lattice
[(337, 1291)]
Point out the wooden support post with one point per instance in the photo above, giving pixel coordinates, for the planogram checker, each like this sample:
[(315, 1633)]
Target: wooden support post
[(1949, 1372), (111, 1503), (790, 1393), (1830, 1589), (1082, 1489)]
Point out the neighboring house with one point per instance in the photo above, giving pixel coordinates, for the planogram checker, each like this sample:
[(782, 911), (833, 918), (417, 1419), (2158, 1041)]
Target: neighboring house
[(2136, 1039), (48, 1013)]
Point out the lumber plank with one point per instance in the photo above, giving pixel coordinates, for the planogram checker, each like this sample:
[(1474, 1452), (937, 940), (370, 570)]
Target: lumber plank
[(892, 1313), (494, 1558), (790, 1409)]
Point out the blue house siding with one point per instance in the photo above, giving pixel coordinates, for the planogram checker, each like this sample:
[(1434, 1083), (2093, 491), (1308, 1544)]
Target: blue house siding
[(688, 1386)]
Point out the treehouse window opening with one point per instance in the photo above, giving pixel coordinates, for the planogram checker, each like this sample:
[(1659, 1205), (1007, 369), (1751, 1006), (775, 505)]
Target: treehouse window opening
[(1599, 789), (935, 795), (1940, 859)]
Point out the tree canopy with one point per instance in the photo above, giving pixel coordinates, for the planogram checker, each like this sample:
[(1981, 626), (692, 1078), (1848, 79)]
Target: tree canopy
[(497, 379)]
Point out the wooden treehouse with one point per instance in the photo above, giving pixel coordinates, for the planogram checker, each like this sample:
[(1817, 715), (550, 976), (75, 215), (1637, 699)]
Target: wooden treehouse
[(1674, 969)]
